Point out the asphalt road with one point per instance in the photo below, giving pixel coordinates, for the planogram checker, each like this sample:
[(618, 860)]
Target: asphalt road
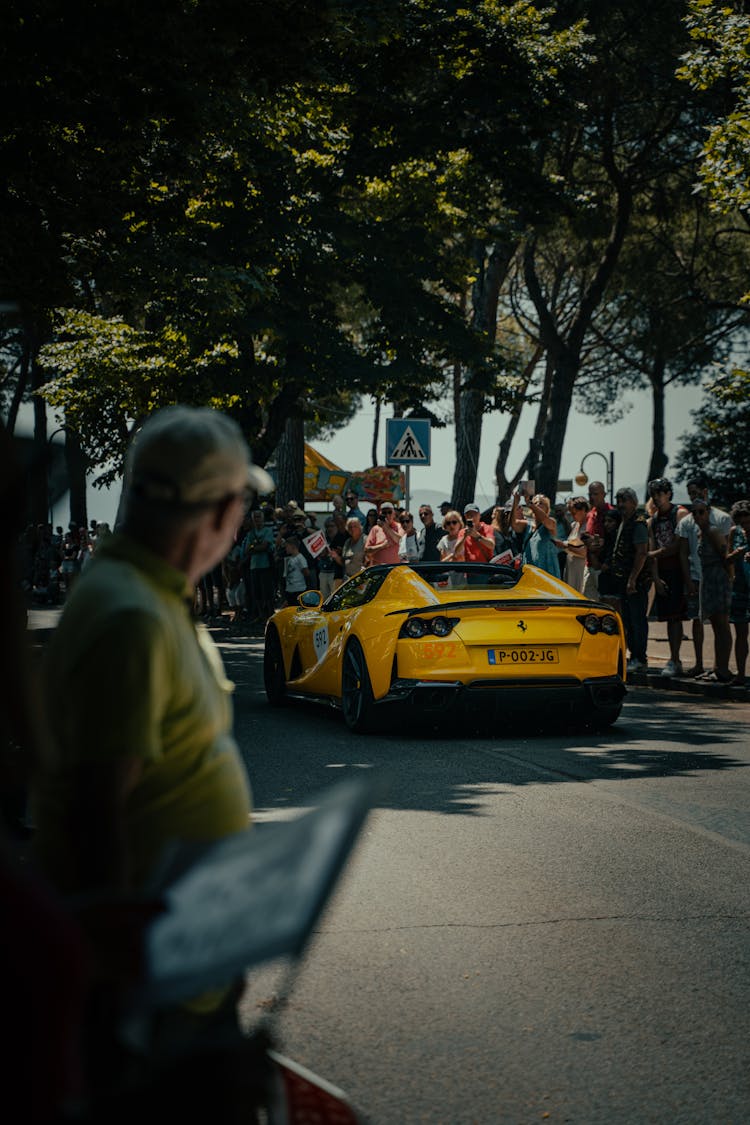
[(532, 927)]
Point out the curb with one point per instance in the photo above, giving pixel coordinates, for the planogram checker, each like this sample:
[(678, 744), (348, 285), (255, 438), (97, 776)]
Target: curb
[(679, 686)]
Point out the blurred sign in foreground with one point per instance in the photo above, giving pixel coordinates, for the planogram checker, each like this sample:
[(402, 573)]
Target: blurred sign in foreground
[(253, 897)]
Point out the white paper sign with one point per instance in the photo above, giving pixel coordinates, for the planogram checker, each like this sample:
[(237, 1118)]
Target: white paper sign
[(316, 543)]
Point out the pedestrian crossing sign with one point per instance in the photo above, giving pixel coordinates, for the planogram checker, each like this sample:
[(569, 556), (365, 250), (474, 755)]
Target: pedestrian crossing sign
[(407, 441)]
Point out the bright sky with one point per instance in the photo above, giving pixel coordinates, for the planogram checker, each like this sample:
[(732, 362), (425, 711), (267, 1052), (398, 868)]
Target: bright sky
[(629, 440)]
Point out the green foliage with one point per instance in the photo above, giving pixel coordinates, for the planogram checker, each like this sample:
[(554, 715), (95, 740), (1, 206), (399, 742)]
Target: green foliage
[(109, 376), (230, 215), (718, 65), (718, 444)]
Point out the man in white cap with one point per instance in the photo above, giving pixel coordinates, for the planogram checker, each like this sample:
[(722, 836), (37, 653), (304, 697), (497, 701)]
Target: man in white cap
[(144, 753)]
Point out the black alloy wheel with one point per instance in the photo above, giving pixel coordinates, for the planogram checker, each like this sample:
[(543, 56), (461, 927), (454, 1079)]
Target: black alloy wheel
[(357, 701)]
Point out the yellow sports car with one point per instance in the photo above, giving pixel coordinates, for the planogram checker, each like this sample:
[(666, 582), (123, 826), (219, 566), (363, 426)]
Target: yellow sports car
[(434, 636)]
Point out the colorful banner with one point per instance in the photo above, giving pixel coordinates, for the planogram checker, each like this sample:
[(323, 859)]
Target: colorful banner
[(378, 484), (324, 480)]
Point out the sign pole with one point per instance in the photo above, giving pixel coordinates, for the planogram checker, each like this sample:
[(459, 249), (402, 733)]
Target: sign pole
[(407, 492)]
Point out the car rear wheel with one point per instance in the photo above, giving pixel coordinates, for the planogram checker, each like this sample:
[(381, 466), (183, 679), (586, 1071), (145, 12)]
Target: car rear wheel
[(274, 676), (604, 717), (356, 690)]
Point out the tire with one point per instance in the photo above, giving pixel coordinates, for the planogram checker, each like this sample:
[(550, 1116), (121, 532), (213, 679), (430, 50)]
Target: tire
[(274, 676), (357, 701), (604, 717)]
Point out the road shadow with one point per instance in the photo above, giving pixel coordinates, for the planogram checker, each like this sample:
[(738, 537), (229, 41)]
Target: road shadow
[(294, 752)]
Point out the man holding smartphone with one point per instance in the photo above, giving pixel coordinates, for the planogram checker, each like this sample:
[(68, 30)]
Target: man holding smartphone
[(479, 538)]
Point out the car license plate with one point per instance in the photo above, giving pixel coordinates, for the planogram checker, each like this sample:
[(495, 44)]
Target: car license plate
[(514, 655)]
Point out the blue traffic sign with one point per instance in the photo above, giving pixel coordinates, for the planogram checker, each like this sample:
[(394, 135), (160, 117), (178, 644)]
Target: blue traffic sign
[(407, 441)]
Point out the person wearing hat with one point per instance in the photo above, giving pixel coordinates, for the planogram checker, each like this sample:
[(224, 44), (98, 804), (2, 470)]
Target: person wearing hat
[(145, 755), (479, 537), (445, 507), (383, 541)]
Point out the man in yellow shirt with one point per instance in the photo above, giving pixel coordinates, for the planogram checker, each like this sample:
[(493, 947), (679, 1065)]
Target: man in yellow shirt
[(144, 755)]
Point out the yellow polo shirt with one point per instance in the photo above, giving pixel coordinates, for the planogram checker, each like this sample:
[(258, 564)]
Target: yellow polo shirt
[(128, 672)]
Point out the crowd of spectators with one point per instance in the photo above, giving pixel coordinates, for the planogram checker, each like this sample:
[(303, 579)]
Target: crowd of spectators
[(51, 559), (675, 562)]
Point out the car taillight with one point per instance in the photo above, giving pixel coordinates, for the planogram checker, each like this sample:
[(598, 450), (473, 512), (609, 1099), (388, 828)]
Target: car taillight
[(592, 623), (416, 627)]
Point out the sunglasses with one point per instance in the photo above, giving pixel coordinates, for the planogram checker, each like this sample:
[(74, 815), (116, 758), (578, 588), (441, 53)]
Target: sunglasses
[(451, 523), (408, 520)]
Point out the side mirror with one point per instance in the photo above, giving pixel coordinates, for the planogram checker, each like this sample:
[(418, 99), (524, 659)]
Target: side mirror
[(310, 599)]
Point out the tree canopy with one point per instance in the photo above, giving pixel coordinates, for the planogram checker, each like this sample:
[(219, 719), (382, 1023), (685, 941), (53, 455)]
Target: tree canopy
[(199, 206)]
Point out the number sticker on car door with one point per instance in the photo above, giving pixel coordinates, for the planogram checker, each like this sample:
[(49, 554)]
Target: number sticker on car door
[(320, 642)]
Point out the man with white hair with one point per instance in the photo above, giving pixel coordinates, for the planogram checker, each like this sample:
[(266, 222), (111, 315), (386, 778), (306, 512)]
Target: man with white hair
[(145, 754)]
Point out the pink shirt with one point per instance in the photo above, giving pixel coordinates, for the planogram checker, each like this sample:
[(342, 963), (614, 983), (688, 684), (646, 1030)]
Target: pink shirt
[(389, 553)]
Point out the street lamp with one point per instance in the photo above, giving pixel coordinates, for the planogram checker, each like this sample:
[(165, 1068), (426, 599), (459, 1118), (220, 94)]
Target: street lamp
[(50, 505), (582, 478)]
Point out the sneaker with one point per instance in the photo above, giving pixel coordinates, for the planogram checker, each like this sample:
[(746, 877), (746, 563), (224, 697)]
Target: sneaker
[(672, 668), (636, 665)]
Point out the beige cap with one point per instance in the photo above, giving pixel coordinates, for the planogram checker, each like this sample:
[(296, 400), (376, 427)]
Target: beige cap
[(191, 455)]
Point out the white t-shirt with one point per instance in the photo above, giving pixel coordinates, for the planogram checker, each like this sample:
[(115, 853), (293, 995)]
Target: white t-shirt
[(687, 528), (294, 578), (454, 546), (408, 548)]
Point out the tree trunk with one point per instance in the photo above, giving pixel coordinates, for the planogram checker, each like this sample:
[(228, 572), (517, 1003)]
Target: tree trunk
[(658, 456), (39, 468), (290, 463), (485, 293), (468, 439), (75, 461), (565, 349), (503, 483), (561, 397), (20, 388)]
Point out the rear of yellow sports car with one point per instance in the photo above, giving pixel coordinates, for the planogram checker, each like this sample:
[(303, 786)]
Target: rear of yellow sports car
[(531, 641)]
